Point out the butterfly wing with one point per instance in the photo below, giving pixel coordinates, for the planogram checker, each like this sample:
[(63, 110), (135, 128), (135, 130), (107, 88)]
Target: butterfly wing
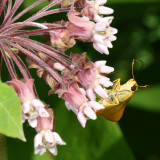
[(112, 111)]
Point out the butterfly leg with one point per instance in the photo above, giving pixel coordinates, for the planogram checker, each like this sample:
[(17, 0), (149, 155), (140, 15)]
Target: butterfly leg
[(116, 84)]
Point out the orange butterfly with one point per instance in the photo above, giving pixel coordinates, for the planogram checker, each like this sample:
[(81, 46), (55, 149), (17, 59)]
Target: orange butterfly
[(118, 98)]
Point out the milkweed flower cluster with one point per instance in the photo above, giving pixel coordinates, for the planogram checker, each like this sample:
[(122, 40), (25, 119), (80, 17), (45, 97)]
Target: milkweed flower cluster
[(76, 80)]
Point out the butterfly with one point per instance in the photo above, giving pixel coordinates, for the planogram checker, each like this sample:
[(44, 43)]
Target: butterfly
[(118, 98)]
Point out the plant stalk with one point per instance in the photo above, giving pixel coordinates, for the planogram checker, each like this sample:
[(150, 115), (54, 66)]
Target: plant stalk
[(3, 150)]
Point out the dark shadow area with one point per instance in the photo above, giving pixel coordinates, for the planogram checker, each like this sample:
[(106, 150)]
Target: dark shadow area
[(116, 151), (18, 150), (142, 131)]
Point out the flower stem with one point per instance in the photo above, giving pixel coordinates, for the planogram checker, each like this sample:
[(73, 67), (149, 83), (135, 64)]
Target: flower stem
[(50, 156), (40, 48), (20, 65), (3, 152), (9, 65), (35, 32), (40, 15), (15, 7), (2, 6), (39, 61), (25, 11)]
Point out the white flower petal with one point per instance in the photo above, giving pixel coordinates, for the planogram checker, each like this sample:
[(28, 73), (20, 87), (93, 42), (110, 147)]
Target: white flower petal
[(100, 2), (97, 18), (43, 112), (89, 113), (105, 82), (37, 140), (112, 38), (58, 139), (37, 150), (91, 95), (100, 26), (108, 44), (82, 91), (53, 150), (70, 107), (113, 30), (26, 107), (32, 122), (100, 63), (95, 105), (82, 119), (42, 151), (67, 104), (49, 136), (105, 10), (106, 69), (37, 103), (100, 91), (101, 48), (103, 23), (107, 20), (98, 38)]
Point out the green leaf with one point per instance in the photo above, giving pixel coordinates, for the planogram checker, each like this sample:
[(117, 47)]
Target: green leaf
[(10, 113), (147, 99)]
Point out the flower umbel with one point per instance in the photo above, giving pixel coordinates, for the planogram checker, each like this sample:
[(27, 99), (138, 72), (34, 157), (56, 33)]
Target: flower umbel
[(76, 79)]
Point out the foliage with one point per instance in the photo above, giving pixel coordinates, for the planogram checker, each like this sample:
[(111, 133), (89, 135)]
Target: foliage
[(10, 113)]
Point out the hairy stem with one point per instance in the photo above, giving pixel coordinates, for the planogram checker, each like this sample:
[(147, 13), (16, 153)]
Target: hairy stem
[(9, 65), (25, 11), (21, 68), (40, 48), (3, 4), (14, 9), (39, 62), (40, 15), (35, 32)]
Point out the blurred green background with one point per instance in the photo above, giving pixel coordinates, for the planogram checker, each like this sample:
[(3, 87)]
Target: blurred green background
[(137, 135)]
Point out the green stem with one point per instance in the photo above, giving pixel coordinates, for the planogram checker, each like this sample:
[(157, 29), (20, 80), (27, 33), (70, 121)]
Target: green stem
[(3, 152), (50, 156)]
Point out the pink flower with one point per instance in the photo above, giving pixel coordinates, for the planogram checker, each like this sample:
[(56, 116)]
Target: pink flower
[(100, 33), (96, 8), (103, 35), (47, 140), (32, 109), (24, 91), (88, 111), (46, 123), (72, 95), (31, 106), (80, 27), (75, 100), (90, 76)]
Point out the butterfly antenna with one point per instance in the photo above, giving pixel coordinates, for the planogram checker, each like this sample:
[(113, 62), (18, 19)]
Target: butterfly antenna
[(133, 68), (120, 68), (140, 68), (140, 71), (144, 86)]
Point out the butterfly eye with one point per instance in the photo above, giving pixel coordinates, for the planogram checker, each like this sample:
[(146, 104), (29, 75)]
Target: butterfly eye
[(133, 88)]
